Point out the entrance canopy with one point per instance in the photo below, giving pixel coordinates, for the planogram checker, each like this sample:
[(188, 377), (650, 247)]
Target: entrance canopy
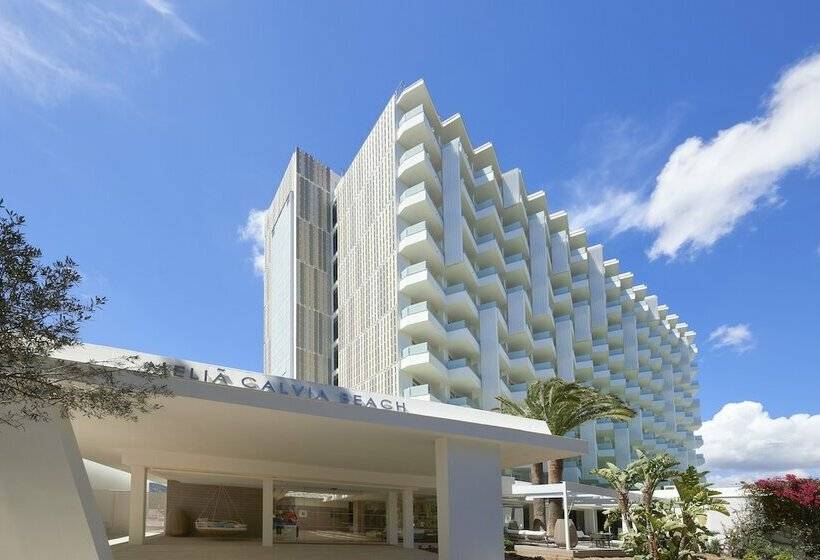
[(242, 423)]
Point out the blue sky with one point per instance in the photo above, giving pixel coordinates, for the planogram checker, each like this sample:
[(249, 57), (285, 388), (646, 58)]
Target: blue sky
[(137, 136)]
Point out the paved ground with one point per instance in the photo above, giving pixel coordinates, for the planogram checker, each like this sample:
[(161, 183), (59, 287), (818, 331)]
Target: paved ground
[(198, 548)]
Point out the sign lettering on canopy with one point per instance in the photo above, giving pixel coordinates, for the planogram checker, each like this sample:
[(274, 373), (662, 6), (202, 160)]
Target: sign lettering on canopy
[(285, 386)]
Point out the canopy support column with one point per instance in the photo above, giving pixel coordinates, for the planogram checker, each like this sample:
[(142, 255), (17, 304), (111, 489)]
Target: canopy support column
[(566, 515), (267, 512), (136, 505)]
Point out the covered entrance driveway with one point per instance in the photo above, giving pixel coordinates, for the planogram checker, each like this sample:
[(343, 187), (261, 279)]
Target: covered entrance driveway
[(169, 548), (274, 433)]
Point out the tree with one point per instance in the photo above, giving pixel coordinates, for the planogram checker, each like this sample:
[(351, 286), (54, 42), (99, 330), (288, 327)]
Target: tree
[(622, 481), (40, 316), (651, 471), (564, 406), (676, 526)]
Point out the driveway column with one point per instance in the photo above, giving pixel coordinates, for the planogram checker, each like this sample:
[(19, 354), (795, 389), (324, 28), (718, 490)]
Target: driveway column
[(391, 517), (136, 505), (468, 495), (267, 512), (407, 525)]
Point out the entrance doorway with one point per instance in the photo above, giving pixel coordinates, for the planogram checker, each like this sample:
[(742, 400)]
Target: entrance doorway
[(315, 514)]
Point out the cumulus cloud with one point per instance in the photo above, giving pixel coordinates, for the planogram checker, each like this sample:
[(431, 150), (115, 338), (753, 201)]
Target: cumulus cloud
[(707, 185), (737, 337), (743, 442), (254, 232), (52, 49)]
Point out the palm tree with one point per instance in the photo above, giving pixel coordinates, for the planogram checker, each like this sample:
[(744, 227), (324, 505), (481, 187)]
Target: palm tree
[(651, 471), (622, 481), (564, 406)]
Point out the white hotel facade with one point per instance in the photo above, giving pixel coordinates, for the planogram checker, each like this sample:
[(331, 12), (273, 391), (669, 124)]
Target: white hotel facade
[(427, 272)]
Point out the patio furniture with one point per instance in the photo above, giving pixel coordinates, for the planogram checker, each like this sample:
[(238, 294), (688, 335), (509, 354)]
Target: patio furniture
[(602, 540)]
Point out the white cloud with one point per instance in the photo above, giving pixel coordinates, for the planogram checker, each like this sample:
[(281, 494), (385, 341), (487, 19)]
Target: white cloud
[(52, 49), (737, 337), (707, 186), (743, 442), (254, 231)]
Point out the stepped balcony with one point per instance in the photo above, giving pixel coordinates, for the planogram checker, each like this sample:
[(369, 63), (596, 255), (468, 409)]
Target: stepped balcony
[(521, 367), (463, 401), (606, 449), (543, 345), (544, 370), (489, 252), (490, 285), (488, 219), (424, 363), (459, 303), (463, 377), (461, 339), (416, 205), (615, 335), (518, 273), (421, 392), (420, 322), (515, 238), (486, 183), (417, 243), (415, 129), (418, 282), (416, 165), (580, 287)]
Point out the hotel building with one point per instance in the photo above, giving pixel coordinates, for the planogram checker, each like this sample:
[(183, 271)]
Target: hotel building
[(426, 271)]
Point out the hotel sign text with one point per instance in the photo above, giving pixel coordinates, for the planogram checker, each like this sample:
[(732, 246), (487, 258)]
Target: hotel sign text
[(286, 386)]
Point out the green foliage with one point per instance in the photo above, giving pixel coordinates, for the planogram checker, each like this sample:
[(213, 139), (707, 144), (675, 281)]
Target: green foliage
[(622, 481), (673, 529), (40, 316), (564, 405)]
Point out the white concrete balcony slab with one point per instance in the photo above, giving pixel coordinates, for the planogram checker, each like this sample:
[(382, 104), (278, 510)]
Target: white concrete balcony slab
[(489, 252), (515, 239), (615, 335), (459, 303), (518, 392), (646, 399), (521, 367), (583, 366), (419, 283), (616, 359), (463, 401), (544, 370), (562, 301), (645, 377), (617, 383), (461, 340), (490, 286), (416, 166), (462, 272), (423, 363), (463, 378), (503, 358), (600, 350), (486, 183), (632, 391), (416, 205), (420, 322), (543, 346), (417, 243), (600, 376), (517, 272), (487, 219), (468, 240), (420, 392), (414, 128), (613, 312)]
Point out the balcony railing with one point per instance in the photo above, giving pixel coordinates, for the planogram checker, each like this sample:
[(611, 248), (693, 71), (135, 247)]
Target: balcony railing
[(411, 191), (514, 258), (415, 228), (487, 271), (410, 114), (415, 150)]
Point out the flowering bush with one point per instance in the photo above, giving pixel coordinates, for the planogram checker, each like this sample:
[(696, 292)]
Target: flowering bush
[(800, 493), (782, 516)]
